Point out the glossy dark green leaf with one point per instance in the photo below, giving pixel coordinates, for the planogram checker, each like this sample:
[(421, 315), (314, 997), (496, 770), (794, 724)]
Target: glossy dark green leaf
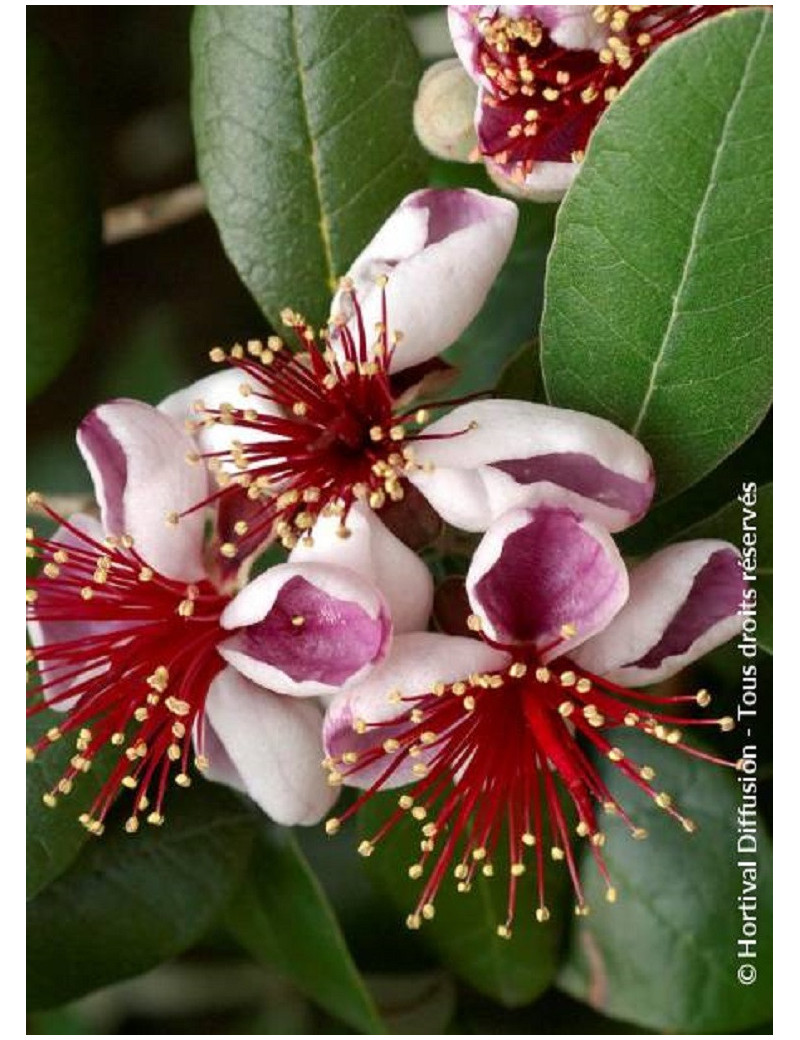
[(62, 217), (302, 119), (658, 313), (281, 916), (752, 461), (665, 954), (521, 376), (747, 523), (464, 931), (129, 902), (53, 835)]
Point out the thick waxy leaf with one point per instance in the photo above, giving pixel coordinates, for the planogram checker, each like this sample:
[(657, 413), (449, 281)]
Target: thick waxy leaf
[(129, 902), (464, 931), (658, 294), (521, 377), (665, 955), (53, 835), (281, 916), (747, 523), (62, 217), (667, 520), (305, 144)]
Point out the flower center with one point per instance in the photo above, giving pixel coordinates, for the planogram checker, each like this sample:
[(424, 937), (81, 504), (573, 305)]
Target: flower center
[(128, 655), (546, 99), (486, 756), (328, 432)]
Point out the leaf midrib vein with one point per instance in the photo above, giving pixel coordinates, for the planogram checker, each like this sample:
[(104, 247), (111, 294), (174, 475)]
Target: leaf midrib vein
[(698, 224)]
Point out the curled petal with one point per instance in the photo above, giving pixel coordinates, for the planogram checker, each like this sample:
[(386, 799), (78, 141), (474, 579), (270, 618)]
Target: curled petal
[(517, 448), (268, 746), (417, 661), (373, 552), (543, 182), (684, 601), (572, 26), (547, 577), (441, 250), (223, 387), (307, 629), (137, 457)]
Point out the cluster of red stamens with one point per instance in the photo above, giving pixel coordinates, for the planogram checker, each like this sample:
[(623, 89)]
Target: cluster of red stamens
[(337, 438), (135, 677), (547, 99), (486, 751)]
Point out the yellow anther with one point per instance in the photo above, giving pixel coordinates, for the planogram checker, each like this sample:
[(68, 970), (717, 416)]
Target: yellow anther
[(616, 754), (543, 675), (428, 911), (726, 724), (49, 800), (542, 914), (415, 871), (474, 623), (703, 698), (413, 921), (182, 780), (405, 801), (517, 869), (366, 848), (503, 931), (647, 773), (568, 678), (517, 670), (556, 853), (611, 895), (155, 819), (228, 550), (663, 800), (565, 709), (132, 824), (216, 354)]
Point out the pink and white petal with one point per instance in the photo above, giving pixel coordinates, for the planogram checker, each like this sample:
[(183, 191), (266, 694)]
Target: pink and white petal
[(268, 746), (463, 22), (223, 387), (544, 182), (491, 456), (441, 250), (48, 633), (417, 661), (684, 601), (304, 630), (373, 552), (572, 26), (137, 457), (538, 570)]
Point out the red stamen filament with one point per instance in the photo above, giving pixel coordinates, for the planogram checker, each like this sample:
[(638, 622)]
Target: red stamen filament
[(547, 99), (337, 438), (497, 747), (139, 681)]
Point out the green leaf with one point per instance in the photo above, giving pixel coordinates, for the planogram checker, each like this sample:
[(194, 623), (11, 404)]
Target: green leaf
[(658, 294), (747, 523), (53, 836), (281, 916), (62, 217), (521, 376), (665, 954), (753, 461), (302, 119), (130, 902), (464, 931)]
